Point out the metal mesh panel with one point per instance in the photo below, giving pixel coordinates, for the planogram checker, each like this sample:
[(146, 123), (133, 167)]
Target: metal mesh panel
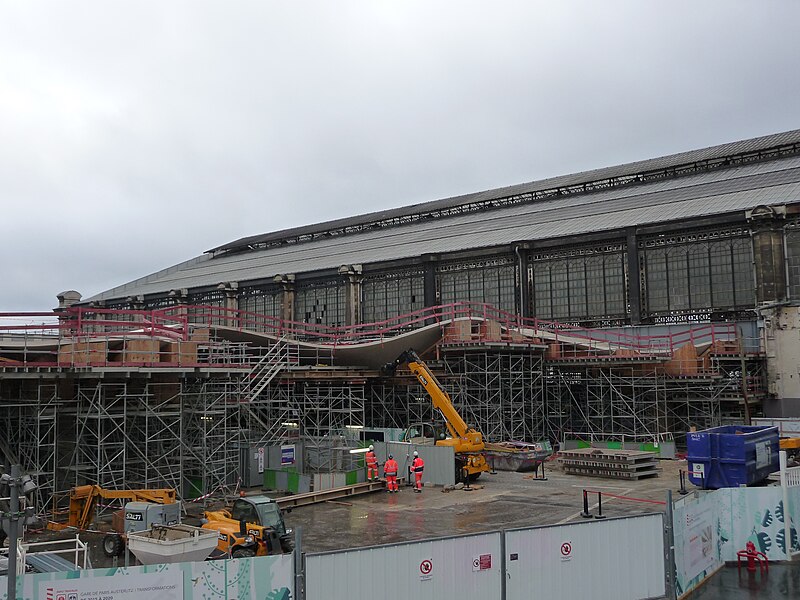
[(388, 295), (489, 281)]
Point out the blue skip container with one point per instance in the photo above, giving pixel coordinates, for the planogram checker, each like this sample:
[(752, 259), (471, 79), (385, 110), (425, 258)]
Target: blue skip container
[(732, 455)]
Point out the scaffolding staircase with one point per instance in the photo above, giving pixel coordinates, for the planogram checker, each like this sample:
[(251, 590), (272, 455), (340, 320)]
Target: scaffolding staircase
[(264, 371)]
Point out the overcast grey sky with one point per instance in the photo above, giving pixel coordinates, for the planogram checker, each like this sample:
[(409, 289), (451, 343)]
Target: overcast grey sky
[(135, 135)]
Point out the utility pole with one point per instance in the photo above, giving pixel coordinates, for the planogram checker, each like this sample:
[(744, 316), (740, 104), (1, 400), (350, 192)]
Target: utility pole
[(13, 532), (17, 484)]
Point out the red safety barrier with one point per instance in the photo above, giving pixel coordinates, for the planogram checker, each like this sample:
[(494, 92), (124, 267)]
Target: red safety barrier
[(752, 556)]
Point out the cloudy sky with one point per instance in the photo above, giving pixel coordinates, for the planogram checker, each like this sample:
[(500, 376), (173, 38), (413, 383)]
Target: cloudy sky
[(135, 135)]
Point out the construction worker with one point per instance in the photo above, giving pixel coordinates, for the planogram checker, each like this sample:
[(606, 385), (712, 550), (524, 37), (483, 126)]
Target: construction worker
[(390, 472), (417, 466), (372, 464)]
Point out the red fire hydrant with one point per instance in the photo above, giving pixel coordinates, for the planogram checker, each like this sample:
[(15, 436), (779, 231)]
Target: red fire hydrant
[(752, 555)]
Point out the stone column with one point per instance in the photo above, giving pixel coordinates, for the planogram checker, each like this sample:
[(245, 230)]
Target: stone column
[(634, 277), (287, 305), (766, 225), (352, 293)]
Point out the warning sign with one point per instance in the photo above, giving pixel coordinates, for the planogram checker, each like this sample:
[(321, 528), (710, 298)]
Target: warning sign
[(482, 562), (566, 551), (425, 570)]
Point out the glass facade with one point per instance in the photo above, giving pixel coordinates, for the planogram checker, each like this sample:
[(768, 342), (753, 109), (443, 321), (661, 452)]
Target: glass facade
[(697, 273), (262, 300), (213, 298), (265, 302), (585, 284), (490, 281), (387, 295), (321, 303), (793, 259)]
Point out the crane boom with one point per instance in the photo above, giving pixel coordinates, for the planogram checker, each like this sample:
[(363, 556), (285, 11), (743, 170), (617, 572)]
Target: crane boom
[(466, 442)]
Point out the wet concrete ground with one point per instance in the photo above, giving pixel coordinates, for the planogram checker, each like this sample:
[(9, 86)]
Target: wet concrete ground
[(782, 581), (502, 501), (505, 500)]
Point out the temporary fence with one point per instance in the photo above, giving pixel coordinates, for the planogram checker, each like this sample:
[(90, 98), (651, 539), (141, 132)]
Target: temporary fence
[(464, 566), (711, 526), (260, 577), (617, 559), (440, 463), (610, 559)]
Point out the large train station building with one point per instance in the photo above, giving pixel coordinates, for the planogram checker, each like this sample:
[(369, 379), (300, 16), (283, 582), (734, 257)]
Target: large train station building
[(636, 301)]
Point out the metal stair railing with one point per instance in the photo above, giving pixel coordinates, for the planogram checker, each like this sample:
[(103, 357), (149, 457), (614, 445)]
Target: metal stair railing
[(265, 370)]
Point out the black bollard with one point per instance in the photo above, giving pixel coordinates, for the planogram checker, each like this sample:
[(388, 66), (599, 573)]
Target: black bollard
[(586, 514), (599, 514), (683, 491)]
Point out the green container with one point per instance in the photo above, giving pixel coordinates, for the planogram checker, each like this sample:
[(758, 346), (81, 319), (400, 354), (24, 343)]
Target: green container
[(195, 488), (351, 477)]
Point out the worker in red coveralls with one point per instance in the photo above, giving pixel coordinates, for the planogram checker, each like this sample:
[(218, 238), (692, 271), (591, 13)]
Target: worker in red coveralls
[(372, 464), (417, 466), (390, 472)]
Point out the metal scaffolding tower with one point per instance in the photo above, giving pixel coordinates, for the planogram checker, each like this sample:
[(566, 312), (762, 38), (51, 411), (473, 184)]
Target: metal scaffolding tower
[(499, 391)]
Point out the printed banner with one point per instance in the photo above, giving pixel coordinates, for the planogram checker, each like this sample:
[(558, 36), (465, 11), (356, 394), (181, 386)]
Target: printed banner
[(167, 585), (260, 577)]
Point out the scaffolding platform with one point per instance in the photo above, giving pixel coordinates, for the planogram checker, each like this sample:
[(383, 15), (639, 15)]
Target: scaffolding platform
[(611, 464)]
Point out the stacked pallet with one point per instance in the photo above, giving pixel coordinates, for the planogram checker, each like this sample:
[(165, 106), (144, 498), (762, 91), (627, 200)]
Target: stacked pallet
[(613, 464)]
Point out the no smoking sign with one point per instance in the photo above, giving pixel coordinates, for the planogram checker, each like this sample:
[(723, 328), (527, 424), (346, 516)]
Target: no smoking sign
[(425, 570), (566, 551)]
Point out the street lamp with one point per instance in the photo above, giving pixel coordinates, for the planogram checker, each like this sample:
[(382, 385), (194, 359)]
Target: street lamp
[(17, 484)]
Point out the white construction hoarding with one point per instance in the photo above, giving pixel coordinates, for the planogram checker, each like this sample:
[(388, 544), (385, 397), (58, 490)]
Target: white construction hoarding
[(613, 559), (462, 567)]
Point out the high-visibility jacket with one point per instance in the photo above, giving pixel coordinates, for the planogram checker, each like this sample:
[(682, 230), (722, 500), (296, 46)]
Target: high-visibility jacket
[(390, 467), (372, 460), (417, 465)]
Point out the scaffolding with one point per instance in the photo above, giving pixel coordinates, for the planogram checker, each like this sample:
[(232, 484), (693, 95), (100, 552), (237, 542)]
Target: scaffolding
[(498, 391), (185, 413)]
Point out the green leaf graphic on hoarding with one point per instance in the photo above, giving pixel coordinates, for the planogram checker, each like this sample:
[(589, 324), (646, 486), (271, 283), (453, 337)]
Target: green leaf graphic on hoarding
[(767, 520), (764, 542)]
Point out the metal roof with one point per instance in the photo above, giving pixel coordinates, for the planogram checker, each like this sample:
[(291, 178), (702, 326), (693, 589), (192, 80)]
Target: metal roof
[(703, 194), (606, 174)]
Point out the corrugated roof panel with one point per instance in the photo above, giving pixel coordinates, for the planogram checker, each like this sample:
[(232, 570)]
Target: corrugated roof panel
[(699, 195), (649, 165)]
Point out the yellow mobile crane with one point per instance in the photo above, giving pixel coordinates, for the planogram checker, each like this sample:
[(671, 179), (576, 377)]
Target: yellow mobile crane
[(467, 443)]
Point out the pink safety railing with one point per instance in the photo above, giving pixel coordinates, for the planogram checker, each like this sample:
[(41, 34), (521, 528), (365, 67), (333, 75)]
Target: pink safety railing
[(487, 323)]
